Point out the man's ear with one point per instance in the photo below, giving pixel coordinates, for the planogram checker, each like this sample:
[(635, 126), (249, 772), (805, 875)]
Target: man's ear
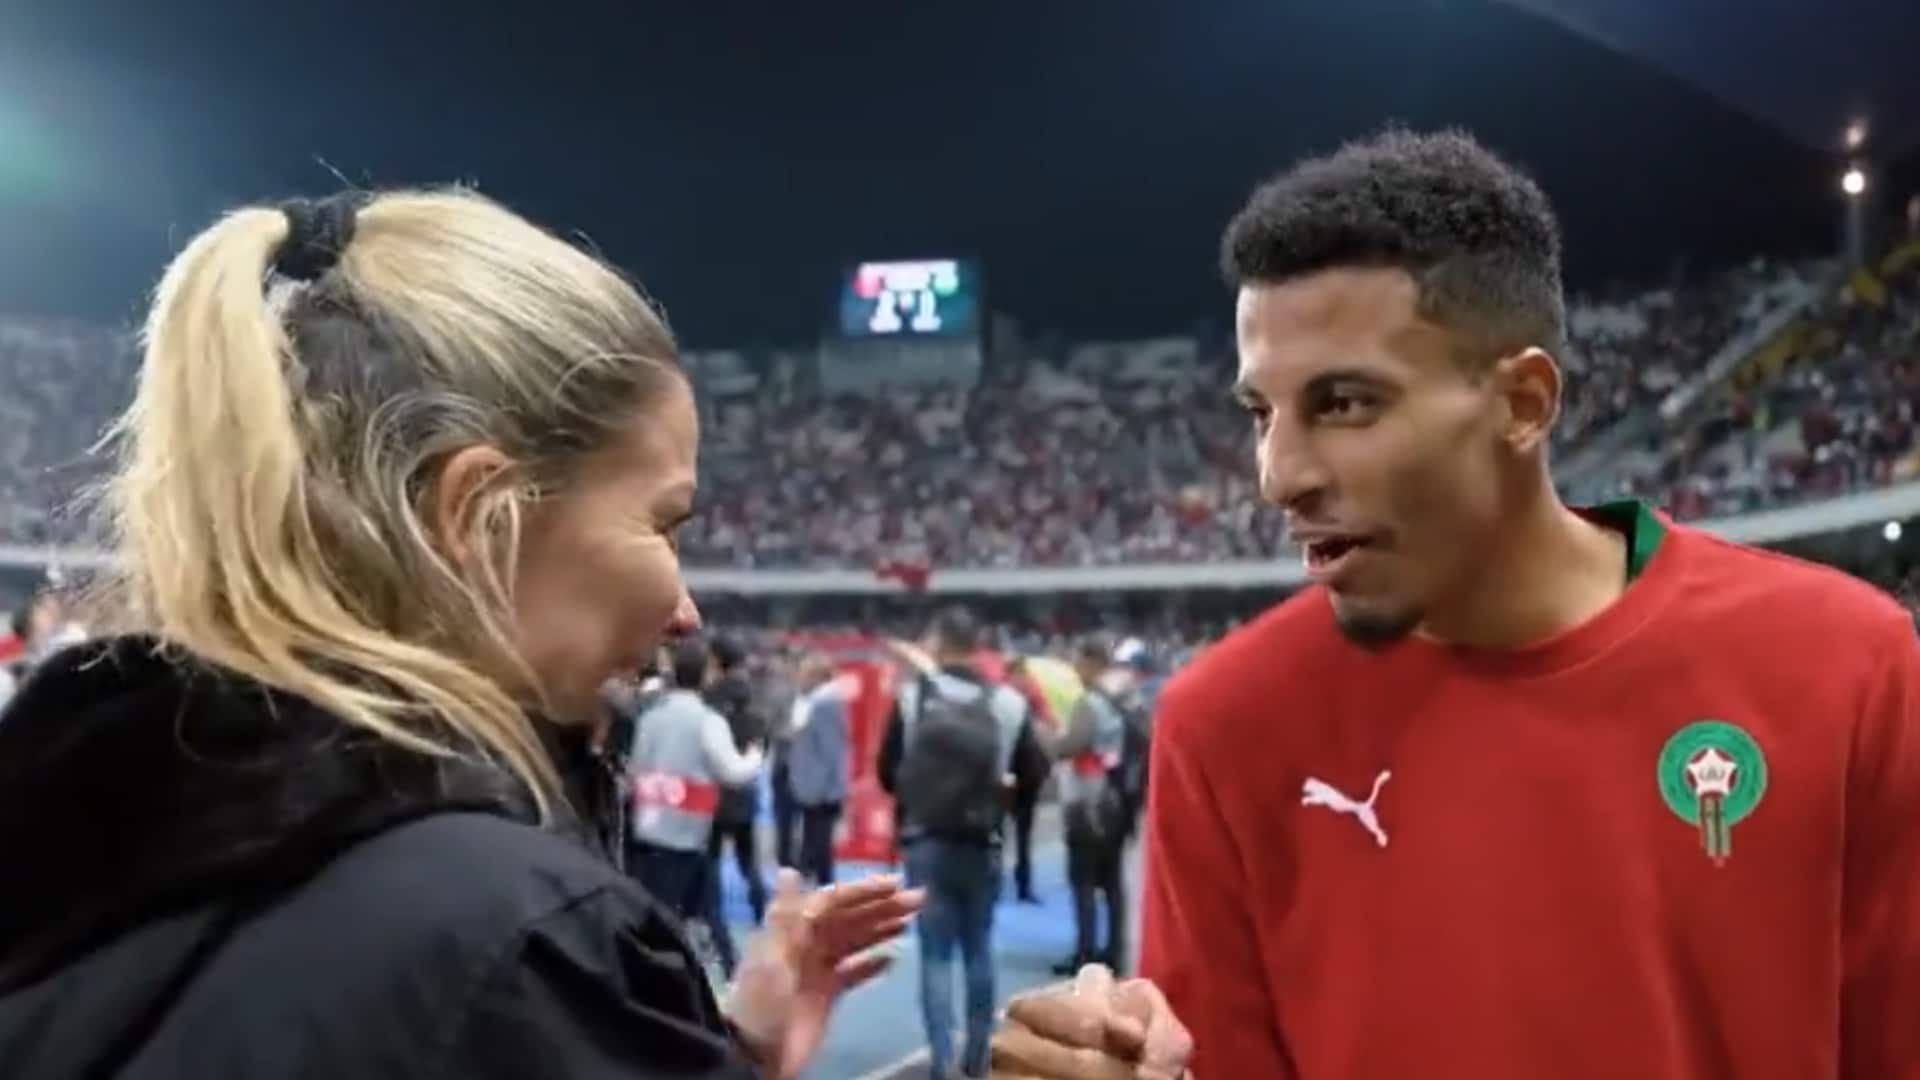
[(457, 495), (1530, 382)]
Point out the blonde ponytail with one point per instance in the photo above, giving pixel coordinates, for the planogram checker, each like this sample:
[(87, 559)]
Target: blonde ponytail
[(269, 503)]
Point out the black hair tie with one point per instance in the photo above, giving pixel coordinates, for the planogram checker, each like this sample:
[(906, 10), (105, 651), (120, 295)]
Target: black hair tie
[(318, 230)]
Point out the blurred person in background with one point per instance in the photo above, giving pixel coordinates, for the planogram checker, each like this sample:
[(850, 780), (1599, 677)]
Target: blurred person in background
[(947, 759), (683, 759), (656, 678), (605, 798), (777, 694), (29, 629), (1029, 783), (1148, 678), (1095, 816), (622, 701), (13, 645), (818, 763), (43, 627), (398, 494), (731, 695)]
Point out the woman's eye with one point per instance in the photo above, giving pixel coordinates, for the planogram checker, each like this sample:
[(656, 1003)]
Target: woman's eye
[(670, 532)]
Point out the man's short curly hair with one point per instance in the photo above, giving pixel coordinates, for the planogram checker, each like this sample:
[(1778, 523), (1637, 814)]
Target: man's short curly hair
[(1477, 235)]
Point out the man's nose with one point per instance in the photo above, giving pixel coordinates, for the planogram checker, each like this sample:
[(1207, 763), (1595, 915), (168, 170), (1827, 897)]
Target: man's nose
[(1290, 477)]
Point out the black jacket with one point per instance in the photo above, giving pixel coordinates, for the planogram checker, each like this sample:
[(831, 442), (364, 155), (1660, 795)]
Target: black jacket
[(732, 697), (209, 880)]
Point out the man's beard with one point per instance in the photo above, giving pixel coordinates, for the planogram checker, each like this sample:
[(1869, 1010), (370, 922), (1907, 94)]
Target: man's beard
[(1374, 630)]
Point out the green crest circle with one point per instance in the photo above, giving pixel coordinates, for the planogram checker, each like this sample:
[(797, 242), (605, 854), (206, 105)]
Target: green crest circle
[(1749, 778)]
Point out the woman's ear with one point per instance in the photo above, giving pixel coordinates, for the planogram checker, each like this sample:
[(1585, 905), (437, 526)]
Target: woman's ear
[(456, 498)]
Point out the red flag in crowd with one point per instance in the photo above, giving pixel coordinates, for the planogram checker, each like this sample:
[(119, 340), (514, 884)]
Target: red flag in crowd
[(912, 576)]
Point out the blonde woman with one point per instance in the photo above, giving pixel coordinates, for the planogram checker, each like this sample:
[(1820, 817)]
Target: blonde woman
[(397, 495)]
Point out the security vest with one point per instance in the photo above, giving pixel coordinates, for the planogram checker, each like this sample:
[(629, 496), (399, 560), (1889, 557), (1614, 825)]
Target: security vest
[(675, 795)]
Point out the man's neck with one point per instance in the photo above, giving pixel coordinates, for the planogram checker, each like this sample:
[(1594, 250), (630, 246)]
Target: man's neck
[(1548, 570)]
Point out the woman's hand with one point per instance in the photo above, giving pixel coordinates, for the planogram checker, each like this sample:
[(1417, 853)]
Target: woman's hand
[(812, 950)]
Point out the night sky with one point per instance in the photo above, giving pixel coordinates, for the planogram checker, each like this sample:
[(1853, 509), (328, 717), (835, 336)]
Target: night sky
[(735, 156)]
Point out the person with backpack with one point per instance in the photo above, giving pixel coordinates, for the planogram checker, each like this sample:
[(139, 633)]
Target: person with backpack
[(1101, 788), (953, 744)]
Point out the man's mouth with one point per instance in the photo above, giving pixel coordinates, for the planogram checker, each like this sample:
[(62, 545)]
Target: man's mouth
[(1324, 555)]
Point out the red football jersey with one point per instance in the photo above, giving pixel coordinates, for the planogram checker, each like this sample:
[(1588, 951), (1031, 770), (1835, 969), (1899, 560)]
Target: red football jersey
[(1679, 841)]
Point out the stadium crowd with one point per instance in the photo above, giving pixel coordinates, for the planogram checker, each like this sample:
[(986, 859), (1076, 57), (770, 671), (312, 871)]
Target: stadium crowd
[(1036, 466), (61, 383), (1121, 454), (1089, 461), (1837, 415), (1632, 348)]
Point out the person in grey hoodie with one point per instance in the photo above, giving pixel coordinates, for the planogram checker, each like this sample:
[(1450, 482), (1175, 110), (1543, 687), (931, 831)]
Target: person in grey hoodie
[(817, 763), (683, 757), (1096, 831)]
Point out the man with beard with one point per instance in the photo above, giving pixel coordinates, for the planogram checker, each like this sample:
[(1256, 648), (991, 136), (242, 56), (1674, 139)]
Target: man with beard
[(1514, 789)]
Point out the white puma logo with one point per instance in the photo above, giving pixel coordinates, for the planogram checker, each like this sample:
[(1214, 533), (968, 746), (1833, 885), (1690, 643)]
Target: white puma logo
[(1320, 793)]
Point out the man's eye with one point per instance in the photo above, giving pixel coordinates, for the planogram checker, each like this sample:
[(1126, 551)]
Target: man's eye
[(1347, 405), (1261, 414)]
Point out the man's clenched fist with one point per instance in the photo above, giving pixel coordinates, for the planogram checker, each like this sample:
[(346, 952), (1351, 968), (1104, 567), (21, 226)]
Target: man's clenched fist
[(1092, 1029)]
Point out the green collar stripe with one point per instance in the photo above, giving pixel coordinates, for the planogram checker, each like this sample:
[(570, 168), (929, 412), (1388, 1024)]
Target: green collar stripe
[(1641, 526)]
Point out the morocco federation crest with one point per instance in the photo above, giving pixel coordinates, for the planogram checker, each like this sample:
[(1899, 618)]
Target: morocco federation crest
[(1712, 775)]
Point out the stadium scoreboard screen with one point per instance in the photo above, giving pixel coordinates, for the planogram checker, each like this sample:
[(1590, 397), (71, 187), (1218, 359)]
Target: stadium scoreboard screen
[(929, 298)]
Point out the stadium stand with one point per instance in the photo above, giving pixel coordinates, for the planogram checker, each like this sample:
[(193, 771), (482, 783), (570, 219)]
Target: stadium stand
[(1630, 351), (1825, 408), (1129, 453), (60, 385)]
